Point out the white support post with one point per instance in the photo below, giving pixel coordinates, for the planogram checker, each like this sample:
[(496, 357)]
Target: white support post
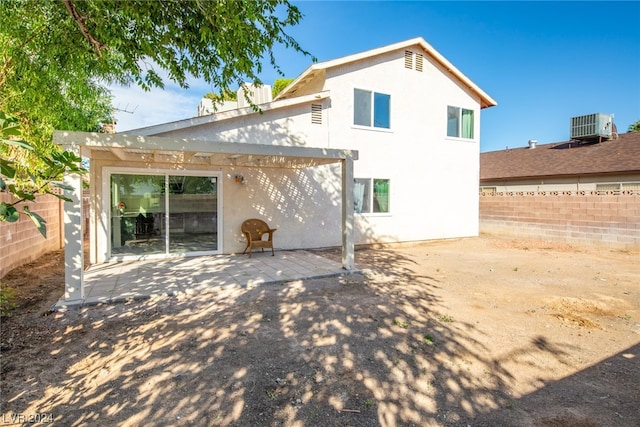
[(73, 235), (348, 232)]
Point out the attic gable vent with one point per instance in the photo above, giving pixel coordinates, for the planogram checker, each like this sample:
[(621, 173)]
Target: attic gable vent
[(419, 62), (316, 114), (409, 63), (408, 59)]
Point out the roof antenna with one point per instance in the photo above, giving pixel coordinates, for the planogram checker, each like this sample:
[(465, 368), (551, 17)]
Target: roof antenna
[(111, 127)]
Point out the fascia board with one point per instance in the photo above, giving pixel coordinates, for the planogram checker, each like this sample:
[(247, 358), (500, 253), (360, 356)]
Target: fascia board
[(158, 143)]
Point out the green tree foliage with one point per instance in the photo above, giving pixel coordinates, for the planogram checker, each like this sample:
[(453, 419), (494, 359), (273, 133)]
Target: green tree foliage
[(57, 56), (226, 95), (635, 127), (24, 185), (44, 81), (279, 85)]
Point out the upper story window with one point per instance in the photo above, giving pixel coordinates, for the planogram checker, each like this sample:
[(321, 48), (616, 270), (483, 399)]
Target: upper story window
[(371, 109), (459, 122)]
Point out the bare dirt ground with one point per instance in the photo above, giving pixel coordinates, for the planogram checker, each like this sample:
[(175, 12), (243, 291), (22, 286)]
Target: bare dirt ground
[(472, 332)]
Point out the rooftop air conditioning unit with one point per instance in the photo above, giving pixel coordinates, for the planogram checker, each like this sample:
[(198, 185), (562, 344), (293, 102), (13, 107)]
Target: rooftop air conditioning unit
[(591, 126)]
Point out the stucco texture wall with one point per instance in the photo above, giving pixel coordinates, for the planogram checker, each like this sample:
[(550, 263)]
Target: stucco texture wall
[(433, 178), (304, 205)]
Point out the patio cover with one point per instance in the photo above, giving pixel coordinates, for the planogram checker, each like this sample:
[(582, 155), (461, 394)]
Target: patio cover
[(194, 151)]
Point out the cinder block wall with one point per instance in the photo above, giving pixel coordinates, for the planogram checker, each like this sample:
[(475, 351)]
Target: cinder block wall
[(21, 242), (581, 217)]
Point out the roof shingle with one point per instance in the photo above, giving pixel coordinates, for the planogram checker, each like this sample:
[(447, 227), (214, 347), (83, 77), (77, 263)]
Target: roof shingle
[(621, 155)]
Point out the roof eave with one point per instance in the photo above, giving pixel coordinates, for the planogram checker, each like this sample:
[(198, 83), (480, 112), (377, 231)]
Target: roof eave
[(225, 115), (560, 176)]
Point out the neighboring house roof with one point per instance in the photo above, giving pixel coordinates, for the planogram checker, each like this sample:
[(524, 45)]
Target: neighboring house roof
[(318, 70), (308, 87), (561, 159)]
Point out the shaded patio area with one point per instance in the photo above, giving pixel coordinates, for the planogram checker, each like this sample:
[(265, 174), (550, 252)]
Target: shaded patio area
[(161, 157), (118, 282)]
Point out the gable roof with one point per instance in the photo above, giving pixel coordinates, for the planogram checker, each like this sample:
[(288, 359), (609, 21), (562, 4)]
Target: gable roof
[(569, 158), (320, 68), (288, 97)]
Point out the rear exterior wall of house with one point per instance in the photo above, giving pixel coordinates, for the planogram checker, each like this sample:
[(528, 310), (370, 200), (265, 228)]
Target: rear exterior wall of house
[(432, 178)]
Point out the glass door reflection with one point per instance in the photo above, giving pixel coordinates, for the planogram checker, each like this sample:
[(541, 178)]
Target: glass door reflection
[(193, 214), (137, 215)]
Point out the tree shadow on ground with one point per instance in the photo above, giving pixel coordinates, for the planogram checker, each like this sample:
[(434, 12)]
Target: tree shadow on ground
[(605, 394), (377, 348)]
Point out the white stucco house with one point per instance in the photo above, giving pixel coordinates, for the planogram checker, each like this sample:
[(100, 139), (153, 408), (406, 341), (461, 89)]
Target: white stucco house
[(379, 146)]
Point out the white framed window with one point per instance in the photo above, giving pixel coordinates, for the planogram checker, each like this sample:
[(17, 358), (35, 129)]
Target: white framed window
[(371, 109), (371, 195), (617, 187), (460, 122), (604, 188), (488, 190), (635, 186)]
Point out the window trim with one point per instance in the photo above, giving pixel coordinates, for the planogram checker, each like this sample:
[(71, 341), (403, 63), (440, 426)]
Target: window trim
[(460, 124), (620, 187), (370, 201), (105, 213), (372, 116)]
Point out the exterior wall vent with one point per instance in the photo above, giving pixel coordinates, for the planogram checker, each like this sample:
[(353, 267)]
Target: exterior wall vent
[(408, 59), (419, 59), (591, 126), (316, 114)]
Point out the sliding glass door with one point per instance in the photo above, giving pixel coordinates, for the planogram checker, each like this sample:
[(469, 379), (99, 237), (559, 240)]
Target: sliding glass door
[(193, 214), (162, 214), (138, 211)]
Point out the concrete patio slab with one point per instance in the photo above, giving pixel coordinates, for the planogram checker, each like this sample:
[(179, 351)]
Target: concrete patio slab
[(118, 282)]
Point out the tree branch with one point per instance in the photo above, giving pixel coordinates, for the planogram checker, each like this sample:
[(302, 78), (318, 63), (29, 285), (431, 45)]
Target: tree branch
[(83, 27)]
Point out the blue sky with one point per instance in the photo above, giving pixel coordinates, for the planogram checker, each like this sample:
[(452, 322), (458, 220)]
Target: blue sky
[(543, 62)]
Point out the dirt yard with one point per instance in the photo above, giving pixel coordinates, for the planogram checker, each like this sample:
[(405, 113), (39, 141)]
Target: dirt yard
[(471, 332)]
